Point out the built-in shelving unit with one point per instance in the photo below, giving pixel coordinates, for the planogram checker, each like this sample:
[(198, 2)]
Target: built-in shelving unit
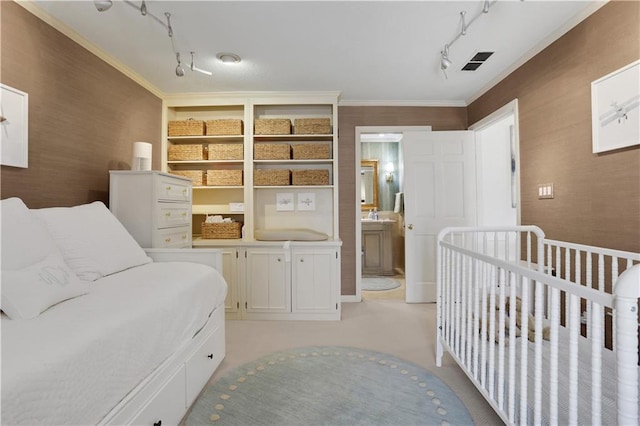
[(311, 270)]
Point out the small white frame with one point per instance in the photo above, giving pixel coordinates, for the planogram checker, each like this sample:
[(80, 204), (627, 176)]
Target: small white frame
[(615, 109), (14, 127), (306, 201), (284, 202)]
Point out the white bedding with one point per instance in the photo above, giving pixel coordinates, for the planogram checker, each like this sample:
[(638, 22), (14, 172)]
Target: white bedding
[(77, 360), (608, 380)]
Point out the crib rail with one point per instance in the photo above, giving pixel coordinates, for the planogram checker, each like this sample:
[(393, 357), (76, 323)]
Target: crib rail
[(490, 279)]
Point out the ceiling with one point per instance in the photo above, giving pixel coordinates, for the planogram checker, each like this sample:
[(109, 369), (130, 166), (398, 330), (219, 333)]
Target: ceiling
[(373, 52)]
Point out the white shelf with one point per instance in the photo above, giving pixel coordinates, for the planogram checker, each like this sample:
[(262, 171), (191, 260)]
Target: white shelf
[(203, 138), (319, 161), (219, 187), (310, 138), (294, 187)]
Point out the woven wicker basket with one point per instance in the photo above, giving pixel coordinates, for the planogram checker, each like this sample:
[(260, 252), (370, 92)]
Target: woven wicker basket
[(186, 152), (272, 151), (310, 177), (226, 151), (225, 230), (188, 127), (272, 126), (312, 126), (226, 126), (311, 151), (224, 177), (271, 177), (197, 176)]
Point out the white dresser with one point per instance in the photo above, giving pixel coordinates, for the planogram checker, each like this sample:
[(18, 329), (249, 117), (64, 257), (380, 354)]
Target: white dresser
[(155, 207)]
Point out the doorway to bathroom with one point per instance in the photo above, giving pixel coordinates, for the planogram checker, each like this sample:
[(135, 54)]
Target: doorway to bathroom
[(380, 229)]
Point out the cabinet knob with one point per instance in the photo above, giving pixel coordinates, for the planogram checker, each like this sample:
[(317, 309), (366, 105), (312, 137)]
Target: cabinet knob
[(184, 237), (410, 226), (301, 260), (279, 260)]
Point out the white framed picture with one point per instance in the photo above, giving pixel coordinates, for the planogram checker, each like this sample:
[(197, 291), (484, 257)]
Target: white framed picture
[(615, 109), (14, 127), (284, 202), (306, 201)]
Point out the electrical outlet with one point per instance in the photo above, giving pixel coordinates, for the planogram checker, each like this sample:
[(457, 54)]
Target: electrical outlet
[(545, 191)]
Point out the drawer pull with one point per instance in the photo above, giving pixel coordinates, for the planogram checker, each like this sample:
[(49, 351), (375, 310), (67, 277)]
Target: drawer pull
[(167, 214), (184, 191), (184, 214), (301, 260), (168, 188), (210, 356), (158, 423), (279, 260), (167, 240), (184, 237)]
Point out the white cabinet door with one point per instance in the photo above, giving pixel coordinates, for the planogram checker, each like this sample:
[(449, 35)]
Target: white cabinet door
[(314, 280), (230, 272), (268, 281)]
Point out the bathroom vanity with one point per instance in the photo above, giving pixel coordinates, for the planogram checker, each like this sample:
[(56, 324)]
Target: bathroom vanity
[(377, 246)]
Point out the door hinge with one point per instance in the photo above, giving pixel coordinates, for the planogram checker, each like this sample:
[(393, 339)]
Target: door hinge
[(245, 254), (336, 255), (236, 254), (336, 306), (245, 305), (238, 305)]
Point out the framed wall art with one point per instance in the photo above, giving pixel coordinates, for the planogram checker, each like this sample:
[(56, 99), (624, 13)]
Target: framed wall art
[(615, 109), (14, 127)]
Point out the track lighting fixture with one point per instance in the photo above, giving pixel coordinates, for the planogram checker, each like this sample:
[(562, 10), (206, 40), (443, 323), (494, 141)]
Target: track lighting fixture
[(102, 5), (463, 24), (179, 69), (445, 62), (194, 68)]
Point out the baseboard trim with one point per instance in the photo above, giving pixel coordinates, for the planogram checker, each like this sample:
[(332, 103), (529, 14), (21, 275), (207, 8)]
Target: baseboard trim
[(350, 298)]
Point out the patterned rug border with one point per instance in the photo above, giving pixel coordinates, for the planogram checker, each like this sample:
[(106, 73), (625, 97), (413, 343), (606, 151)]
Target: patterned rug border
[(425, 381)]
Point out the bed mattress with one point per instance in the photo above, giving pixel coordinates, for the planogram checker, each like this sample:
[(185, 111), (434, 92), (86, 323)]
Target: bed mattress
[(78, 359), (608, 380)]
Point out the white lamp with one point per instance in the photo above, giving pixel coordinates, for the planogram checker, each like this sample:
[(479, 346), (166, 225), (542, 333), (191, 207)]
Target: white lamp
[(141, 156)]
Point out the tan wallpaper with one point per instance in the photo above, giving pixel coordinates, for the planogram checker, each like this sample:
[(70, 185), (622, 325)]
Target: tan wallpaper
[(597, 197), (348, 119), (84, 115)]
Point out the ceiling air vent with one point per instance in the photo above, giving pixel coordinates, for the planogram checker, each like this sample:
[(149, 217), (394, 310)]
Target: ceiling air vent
[(477, 60)]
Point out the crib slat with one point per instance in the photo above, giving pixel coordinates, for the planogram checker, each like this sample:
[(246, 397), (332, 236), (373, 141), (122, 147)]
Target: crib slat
[(537, 414), (512, 349), (524, 366), (596, 363), (476, 317), (484, 331), (492, 331), (501, 337), (574, 325), (553, 354)]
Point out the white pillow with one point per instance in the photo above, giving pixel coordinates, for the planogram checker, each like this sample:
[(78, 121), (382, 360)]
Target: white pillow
[(28, 292), (92, 240), (290, 234), (25, 238)]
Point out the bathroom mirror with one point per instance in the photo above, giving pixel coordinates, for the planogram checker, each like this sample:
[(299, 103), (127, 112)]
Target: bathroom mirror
[(369, 184)]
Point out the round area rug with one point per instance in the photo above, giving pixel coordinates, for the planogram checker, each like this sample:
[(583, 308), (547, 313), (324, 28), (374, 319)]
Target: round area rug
[(379, 283), (329, 386)]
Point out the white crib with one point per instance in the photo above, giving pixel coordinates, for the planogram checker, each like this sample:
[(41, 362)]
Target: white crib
[(587, 370)]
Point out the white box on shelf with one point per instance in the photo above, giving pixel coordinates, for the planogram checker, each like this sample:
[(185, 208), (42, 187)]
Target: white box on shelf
[(236, 207)]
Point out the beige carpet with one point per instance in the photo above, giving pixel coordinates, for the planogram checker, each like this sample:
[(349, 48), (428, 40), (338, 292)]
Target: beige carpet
[(391, 326)]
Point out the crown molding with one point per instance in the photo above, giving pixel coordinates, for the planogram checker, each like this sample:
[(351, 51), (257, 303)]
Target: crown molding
[(397, 103), (31, 7)]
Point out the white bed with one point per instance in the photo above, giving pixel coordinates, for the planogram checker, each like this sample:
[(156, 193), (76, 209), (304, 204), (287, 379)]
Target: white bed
[(587, 370), (75, 362)]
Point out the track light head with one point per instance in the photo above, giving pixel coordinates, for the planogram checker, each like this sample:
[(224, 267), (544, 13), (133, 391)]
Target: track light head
[(463, 23), (486, 6), (179, 69), (445, 62), (103, 5)]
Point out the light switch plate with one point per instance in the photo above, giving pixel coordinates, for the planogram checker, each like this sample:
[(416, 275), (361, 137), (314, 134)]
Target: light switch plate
[(545, 191)]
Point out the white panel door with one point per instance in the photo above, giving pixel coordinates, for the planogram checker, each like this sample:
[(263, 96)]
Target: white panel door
[(440, 191), (268, 281)]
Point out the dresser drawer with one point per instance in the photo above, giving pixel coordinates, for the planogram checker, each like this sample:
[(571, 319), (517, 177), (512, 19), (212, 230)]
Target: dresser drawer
[(172, 215), (168, 406), (173, 237), (203, 362), (169, 189)]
